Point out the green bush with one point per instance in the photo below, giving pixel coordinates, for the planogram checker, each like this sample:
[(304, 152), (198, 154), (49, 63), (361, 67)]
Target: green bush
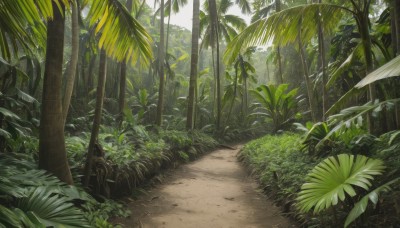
[(279, 165)]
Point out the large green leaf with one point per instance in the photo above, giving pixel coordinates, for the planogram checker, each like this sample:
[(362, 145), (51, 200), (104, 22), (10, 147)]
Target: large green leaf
[(336, 178), (390, 69), (52, 209), (360, 207)]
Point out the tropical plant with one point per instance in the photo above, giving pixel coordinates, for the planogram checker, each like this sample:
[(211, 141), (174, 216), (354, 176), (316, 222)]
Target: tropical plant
[(277, 103), (335, 179), (216, 24), (35, 198)]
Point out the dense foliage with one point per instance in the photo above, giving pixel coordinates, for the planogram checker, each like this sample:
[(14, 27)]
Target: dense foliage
[(303, 182), (84, 118)]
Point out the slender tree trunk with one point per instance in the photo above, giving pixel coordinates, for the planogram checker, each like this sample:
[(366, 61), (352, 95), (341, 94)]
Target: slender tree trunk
[(267, 73), (307, 80), (245, 92), (363, 27), (168, 24), (161, 59), (215, 40), (121, 97), (321, 48), (71, 71), (52, 152), (397, 23), (278, 49), (193, 65), (101, 82), (234, 94), (396, 20), (280, 73), (122, 81), (90, 80)]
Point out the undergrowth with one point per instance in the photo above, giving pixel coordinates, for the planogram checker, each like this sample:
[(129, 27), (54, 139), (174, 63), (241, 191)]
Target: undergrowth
[(279, 165)]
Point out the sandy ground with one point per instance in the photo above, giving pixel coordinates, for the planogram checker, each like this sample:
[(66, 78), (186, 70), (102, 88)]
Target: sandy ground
[(212, 192)]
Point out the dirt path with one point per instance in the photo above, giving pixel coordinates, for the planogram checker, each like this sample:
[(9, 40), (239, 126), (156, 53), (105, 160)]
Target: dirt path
[(212, 192)]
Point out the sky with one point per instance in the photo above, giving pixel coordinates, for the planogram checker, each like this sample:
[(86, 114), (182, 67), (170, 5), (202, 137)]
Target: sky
[(184, 17)]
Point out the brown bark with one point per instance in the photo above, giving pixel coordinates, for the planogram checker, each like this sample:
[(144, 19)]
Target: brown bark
[(215, 43), (363, 27), (101, 82), (321, 48), (52, 152), (71, 71), (161, 58), (278, 49), (193, 65), (307, 80)]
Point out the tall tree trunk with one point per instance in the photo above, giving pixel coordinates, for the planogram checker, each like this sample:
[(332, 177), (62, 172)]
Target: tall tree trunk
[(161, 59), (193, 65), (321, 49), (122, 81), (168, 24), (101, 82), (397, 23), (244, 78), (71, 71), (267, 73), (307, 80), (280, 72), (278, 49), (52, 152), (362, 19), (396, 20), (215, 43)]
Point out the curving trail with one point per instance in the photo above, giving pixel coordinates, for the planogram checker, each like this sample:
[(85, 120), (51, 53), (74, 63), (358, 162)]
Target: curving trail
[(212, 192)]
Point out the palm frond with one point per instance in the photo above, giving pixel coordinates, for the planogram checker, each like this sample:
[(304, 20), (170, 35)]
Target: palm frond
[(51, 209), (355, 54), (22, 24), (122, 36), (282, 27), (244, 6)]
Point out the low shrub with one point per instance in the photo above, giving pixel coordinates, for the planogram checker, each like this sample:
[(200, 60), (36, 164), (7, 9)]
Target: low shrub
[(279, 165)]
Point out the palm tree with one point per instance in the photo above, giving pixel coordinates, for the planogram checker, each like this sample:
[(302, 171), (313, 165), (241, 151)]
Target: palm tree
[(193, 65), (216, 23), (321, 49), (122, 80), (282, 27), (172, 6), (161, 59), (52, 152), (101, 82)]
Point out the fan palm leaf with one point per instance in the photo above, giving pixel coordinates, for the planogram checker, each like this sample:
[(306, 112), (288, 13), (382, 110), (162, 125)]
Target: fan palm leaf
[(51, 209), (335, 178)]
